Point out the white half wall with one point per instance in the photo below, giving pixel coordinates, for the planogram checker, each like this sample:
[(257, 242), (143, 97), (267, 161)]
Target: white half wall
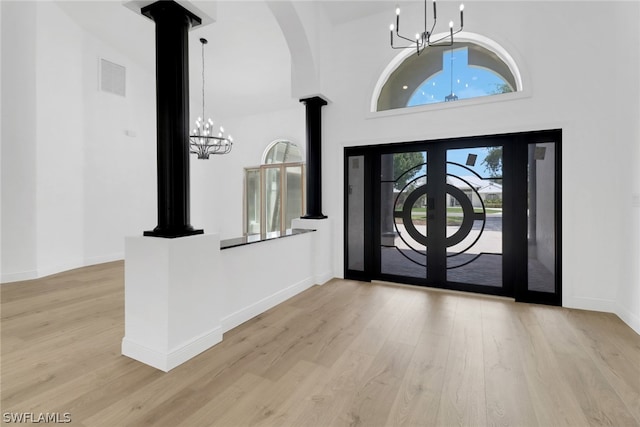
[(172, 299), (258, 276), (182, 294)]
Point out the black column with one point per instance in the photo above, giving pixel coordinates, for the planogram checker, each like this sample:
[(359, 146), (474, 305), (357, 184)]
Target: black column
[(172, 104), (314, 156)]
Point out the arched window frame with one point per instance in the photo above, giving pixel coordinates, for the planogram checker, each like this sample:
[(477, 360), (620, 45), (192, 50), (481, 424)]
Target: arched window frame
[(273, 145), (521, 80), (259, 206)]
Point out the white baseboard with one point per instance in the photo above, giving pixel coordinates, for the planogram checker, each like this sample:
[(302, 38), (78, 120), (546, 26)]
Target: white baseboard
[(55, 269), (631, 319), (103, 258), (18, 277), (593, 304), (239, 317), (59, 268), (606, 306), (165, 361), (323, 278)]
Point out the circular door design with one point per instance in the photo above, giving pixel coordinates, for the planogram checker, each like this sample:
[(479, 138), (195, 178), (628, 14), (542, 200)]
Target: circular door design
[(414, 199)]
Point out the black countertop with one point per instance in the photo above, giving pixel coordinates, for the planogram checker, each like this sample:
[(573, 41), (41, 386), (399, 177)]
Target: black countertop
[(256, 238)]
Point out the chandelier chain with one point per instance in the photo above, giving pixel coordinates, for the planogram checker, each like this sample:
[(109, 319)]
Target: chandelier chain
[(202, 43)]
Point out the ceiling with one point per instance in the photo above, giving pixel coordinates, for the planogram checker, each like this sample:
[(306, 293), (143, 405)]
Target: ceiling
[(245, 47)]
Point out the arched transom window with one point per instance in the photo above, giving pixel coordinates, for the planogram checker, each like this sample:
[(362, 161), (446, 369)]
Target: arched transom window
[(447, 74), (282, 151)]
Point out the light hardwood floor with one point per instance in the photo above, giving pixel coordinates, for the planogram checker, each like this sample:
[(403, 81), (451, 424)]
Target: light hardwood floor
[(343, 354)]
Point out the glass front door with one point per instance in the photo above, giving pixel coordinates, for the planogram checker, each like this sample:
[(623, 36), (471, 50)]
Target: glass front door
[(441, 216), (403, 214), (475, 214)]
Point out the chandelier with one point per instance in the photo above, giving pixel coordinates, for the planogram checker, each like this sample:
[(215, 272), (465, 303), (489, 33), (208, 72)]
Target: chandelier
[(423, 40), (204, 140)]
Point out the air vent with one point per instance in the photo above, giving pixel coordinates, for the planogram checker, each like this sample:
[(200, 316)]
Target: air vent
[(112, 77)]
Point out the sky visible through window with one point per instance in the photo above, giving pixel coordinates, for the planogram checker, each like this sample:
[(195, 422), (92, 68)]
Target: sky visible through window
[(460, 156), (468, 81)]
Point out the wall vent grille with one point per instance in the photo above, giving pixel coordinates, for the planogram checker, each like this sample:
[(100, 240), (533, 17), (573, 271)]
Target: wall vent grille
[(112, 77)]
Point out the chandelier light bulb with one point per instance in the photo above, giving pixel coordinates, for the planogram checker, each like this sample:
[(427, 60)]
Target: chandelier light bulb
[(424, 39)]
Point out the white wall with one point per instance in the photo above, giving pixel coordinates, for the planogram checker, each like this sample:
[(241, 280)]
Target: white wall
[(217, 183), (0, 145), (627, 145), (570, 87), (82, 174), (73, 184), (120, 155), (59, 141), (19, 132)]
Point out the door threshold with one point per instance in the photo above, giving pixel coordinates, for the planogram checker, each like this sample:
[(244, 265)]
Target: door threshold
[(442, 290)]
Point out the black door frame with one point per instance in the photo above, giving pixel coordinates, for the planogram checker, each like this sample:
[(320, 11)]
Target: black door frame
[(515, 220)]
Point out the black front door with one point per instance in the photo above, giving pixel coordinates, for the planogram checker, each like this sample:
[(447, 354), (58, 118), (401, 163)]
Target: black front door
[(457, 214)]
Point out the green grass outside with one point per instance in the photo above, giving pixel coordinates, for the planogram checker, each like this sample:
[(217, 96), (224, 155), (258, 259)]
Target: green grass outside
[(417, 212)]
